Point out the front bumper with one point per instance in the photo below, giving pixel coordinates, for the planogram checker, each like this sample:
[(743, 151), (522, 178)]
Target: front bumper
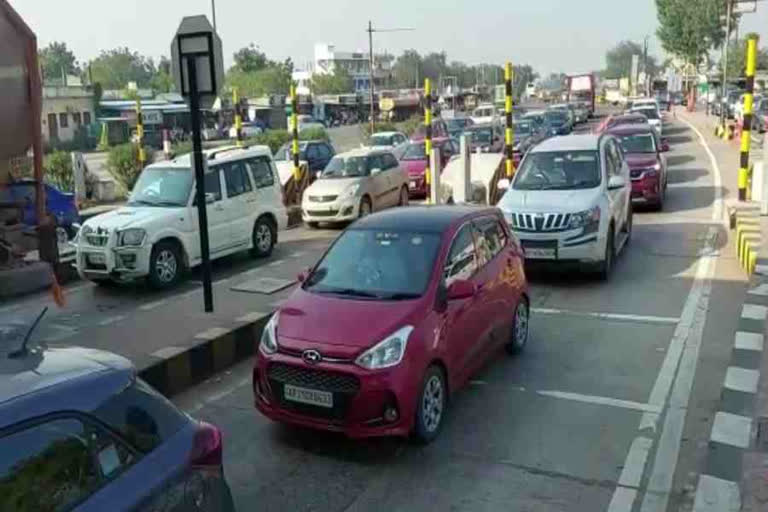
[(646, 190), (573, 245), (358, 409), (124, 263), (340, 210), (417, 186)]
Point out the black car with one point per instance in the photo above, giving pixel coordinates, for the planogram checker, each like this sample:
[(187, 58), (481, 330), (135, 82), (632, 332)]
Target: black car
[(557, 122), (317, 153)]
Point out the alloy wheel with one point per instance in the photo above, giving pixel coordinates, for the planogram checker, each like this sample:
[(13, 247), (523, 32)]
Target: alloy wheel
[(263, 237), (166, 266), (521, 325), (432, 403)]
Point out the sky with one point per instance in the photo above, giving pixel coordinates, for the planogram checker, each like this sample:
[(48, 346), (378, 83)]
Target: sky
[(550, 35)]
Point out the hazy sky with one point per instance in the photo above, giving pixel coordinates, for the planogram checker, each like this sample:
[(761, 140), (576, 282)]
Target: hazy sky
[(551, 35)]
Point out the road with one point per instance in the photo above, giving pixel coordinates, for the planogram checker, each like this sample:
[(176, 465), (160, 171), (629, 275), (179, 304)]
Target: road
[(609, 409)]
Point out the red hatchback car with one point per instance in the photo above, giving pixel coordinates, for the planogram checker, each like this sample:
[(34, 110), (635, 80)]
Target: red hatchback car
[(400, 311), (414, 161), (647, 165)]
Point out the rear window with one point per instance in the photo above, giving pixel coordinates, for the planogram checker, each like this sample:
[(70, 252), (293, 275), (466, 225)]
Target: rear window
[(143, 416)]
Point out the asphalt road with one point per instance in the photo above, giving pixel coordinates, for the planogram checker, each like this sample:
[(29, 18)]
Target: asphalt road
[(607, 410)]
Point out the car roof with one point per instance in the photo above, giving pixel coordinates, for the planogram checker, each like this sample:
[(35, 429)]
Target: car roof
[(364, 151), (386, 134), (421, 219), (629, 129), (579, 142), (215, 155), (39, 382)]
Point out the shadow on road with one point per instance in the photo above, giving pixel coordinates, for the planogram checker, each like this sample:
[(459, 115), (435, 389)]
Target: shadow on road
[(675, 130), (673, 160), (679, 139), (685, 175)]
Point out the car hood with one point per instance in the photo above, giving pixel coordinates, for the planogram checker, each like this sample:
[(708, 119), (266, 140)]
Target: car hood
[(133, 216), (414, 167), (640, 160), (339, 321), (549, 201), (332, 186)]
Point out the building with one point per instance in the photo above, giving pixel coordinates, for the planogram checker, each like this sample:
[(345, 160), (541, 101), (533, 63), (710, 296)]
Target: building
[(65, 109), (357, 64), (303, 81)]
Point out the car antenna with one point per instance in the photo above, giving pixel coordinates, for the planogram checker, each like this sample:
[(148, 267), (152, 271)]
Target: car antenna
[(22, 351)]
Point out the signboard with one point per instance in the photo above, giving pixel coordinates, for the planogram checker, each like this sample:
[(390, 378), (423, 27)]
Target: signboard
[(581, 83), (196, 39), (150, 116)]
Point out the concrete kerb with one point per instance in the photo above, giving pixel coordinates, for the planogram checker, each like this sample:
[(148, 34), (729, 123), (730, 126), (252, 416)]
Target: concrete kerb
[(748, 235), (192, 365)]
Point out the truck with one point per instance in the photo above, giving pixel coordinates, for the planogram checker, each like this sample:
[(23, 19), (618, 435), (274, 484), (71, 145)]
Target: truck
[(581, 87)]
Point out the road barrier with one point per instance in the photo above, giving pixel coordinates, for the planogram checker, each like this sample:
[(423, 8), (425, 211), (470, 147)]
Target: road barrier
[(428, 136), (238, 118), (746, 123), (295, 134), (748, 236), (509, 133), (140, 133)]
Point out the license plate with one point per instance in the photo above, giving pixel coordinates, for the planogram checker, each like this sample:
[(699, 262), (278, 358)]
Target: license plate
[(97, 259), (412, 184), (308, 396), (537, 253)]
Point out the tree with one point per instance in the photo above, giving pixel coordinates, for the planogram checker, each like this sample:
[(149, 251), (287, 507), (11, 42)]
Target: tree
[(57, 60), (690, 29), (618, 60), (275, 78), (161, 80), (114, 69), (249, 59), (524, 75), (338, 82), (407, 70)]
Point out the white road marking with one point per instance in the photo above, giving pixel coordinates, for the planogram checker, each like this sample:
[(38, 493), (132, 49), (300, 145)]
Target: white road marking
[(168, 352), (716, 495), (761, 289), (276, 263), (731, 429), (212, 333), (226, 392), (152, 305), (632, 473), (297, 254), (602, 400), (609, 316), (622, 499), (251, 317), (748, 341), (754, 312), (112, 320), (741, 379)]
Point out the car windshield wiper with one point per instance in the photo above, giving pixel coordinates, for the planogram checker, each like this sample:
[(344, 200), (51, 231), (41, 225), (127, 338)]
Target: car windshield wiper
[(142, 202), (399, 296)]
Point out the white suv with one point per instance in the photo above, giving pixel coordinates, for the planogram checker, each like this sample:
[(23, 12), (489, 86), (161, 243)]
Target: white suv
[(570, 201), (156, 234)]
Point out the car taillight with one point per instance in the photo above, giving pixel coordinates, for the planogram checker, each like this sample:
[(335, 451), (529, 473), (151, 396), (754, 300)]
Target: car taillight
[(207, 446)]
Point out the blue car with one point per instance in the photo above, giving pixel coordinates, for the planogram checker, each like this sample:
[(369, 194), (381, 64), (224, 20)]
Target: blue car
[(60, 204), (80, 431), (557, 122)]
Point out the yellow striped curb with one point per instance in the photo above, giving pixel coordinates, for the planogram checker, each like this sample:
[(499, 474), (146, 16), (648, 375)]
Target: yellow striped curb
[(748, 237)]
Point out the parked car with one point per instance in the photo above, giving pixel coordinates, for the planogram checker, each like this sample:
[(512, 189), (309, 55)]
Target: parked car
[(156, 235), (557, 122), (484, 114), (538, 120), (730, 101), (653, 115), (644, 153), (569, 110), (414, 161), (439, 131), (457, 125), (760, 115), (642, 102), (581, 112), (249, 129), (420, 298), (570, 201), (389, 140), (615, 120), (526, 136), (355, 184), (486, 138), (80, 431), (317, 154)]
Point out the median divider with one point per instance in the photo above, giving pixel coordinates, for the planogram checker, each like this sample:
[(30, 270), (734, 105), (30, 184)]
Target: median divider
[(748, 235), (214, 350)]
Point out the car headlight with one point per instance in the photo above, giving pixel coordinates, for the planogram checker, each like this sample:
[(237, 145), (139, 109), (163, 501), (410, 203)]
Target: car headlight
[(585, 218), (388, 352), (351, 190), (133, 237), (268, 344)]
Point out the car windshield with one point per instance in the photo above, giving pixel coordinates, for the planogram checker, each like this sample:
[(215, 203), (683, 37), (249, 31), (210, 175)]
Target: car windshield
[(346, 167), (482, 135), (381, 140), (162, 187), (373, 264), (559, 170), (523, 128), (638, 143), (555, 117), (414, 151), (650, 113), (285, 153)]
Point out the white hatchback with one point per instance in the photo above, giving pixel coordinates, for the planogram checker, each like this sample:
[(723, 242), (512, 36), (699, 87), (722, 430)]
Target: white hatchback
[(156, 235)]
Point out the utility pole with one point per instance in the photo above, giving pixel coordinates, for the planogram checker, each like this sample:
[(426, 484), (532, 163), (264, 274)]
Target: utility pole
[(724, 60), (645, 67), (213, 13), (370, 31)]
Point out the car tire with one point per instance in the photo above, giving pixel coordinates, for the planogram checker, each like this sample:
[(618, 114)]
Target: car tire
[(313, 225), (403, 197), (604, 267), (165, 265), (365, 207), (519, 335), (263, 238), (430, 409)]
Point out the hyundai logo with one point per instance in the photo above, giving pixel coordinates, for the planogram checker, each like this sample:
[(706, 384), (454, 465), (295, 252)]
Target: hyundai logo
[(311, 356)]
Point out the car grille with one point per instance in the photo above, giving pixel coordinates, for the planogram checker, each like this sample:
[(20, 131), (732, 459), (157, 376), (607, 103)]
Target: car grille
[(343, 386), (97, 240), (540, 221), (325, 213), (322, 199)]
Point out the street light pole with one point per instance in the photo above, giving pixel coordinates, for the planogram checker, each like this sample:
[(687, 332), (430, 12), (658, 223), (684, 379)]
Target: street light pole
[(724, 60), (370, 57), (213, 13)]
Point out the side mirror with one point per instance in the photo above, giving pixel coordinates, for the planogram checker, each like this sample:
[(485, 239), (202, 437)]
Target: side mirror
[(375, 171), (503, 184), (616, 182), (664, 145), (461, 289), (210, 197)]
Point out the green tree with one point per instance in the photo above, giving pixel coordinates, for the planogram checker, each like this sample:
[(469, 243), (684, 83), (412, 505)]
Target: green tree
[(249, 59), (57, 60), (618, 60), (689, 30), (114, 69), (338, 82), (406, 71), (161, 80), (275, 78)]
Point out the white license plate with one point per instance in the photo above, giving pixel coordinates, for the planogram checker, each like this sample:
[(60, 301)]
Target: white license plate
[(97, 259), (412, 184), (536, 253), (308, 396)]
